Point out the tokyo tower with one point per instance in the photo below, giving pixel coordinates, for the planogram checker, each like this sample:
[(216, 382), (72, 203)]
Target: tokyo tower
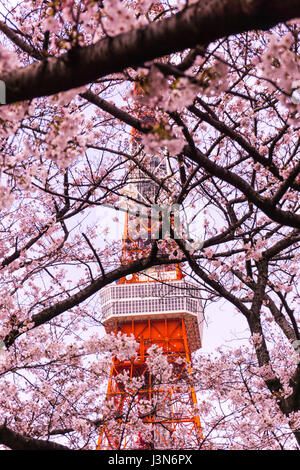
[(159, 307)]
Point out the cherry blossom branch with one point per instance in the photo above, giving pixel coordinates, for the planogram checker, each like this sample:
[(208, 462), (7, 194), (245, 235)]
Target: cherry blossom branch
[(252, 151), (62, 306), (287, 183), (18, 41), (115, 111), (200, 23), (17, 253), (264, 204), (95, 254), (288, 240), (16, 441), (217, 286), (291, 333)]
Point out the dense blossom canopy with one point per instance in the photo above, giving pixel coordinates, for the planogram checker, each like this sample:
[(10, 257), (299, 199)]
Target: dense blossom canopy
[(221, 82)]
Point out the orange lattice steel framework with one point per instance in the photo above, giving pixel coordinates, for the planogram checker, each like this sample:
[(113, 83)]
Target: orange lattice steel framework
[(158, 306)]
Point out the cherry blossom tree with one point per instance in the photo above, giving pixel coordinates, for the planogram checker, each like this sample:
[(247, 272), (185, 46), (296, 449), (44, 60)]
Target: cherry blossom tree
[(221, 86)]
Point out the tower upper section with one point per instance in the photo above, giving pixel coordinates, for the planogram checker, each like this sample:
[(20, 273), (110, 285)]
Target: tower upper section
[(140, 300), (160, 291)]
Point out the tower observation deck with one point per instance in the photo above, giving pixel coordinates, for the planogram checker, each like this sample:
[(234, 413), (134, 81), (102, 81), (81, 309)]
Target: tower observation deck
[(159, 307)]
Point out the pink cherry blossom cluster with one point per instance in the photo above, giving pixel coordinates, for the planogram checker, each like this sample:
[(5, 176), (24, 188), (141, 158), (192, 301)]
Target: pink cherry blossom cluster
[(279, 65)]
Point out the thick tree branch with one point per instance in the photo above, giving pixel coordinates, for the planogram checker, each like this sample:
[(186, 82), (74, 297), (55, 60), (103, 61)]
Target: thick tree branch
[(62, 306), (200, 23), (289, 240), (16, 441)]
